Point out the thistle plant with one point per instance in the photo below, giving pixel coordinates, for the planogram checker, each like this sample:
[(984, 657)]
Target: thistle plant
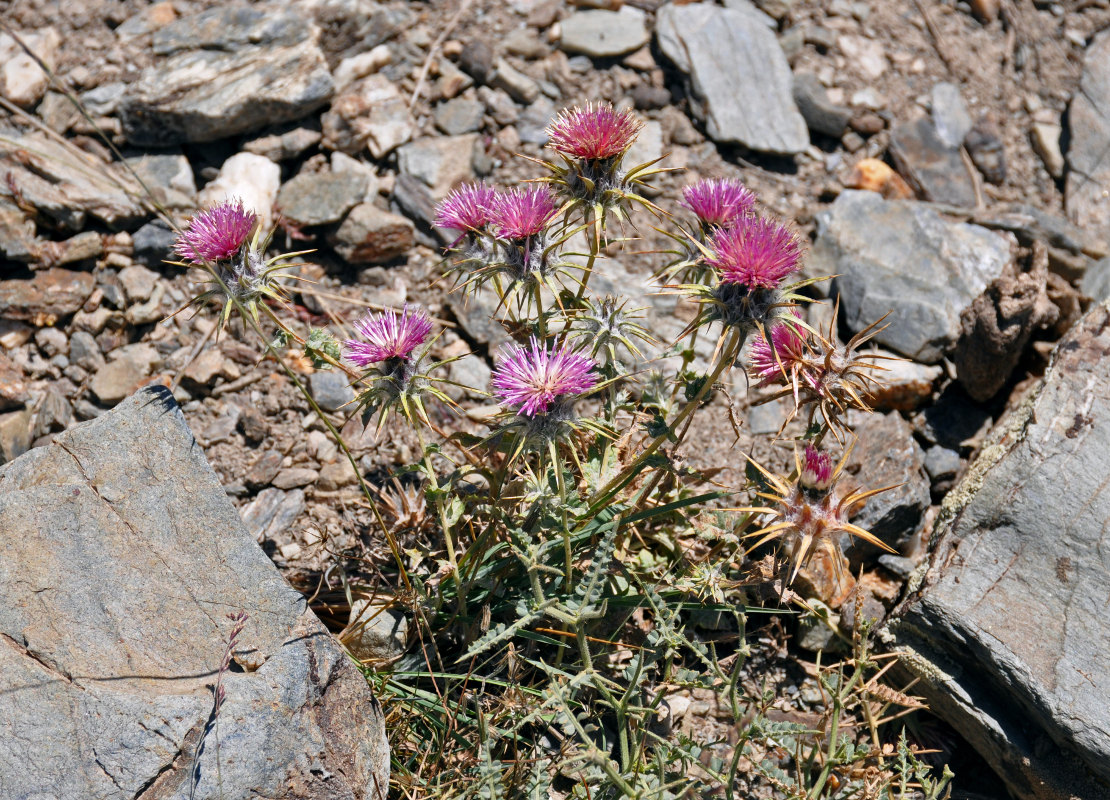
[(552, 587)]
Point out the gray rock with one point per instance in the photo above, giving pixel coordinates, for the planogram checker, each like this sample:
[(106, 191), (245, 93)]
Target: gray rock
[(950, 115), (1008, 627), (51, 341), (471, 371), (262, 471), (934, 169), (226, 71), (253, 179), (375, 632), (17, 233), (43, 299), (270, 514), (1096, 283), (138, 282), (84, 351), (13, 383), (370, 235), (477, 60), (739, 79), (941, 463), (821, 115), (440, 162), (1086, 196), (107, 686), (1029, 223), (169, 178), (887, 455), (82, 247), (513, 82), (67, 185), (295, 477), (953, 421), (459, 115), (370, 113), (331, 390), (54, 413), (413, 198), (288, 144), (898, 257), (319, 198), (153, 243), (984, 144), (604, 34), (533, 121)]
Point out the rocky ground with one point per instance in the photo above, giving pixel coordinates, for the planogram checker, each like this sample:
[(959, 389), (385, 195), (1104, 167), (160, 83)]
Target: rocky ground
[(945, 160)]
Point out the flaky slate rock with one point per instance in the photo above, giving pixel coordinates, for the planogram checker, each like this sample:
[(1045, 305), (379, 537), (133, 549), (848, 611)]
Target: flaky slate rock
[(122, 558), (226, 71), (899, 257), (1008, 627), (1088, 179), (740, 81)]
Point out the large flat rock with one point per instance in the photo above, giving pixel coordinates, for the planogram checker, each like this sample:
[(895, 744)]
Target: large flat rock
[(740, 80), (1009, 629), (901, 257), (122, 559), (224, 72)]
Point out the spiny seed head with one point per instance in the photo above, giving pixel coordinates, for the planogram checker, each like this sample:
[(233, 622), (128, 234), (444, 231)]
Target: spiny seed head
[(718, 202), (216, 233), (522, 212), (817, 469), (755, 252), (534, 378), (388, 335), (466, 208), (594, 132)]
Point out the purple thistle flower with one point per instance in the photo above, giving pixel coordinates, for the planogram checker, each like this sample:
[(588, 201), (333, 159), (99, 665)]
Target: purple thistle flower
[(786, 351), (755, 252), (466, 208), (522, 212), (718, 201), (216, 233), (388, 335), (534, 378), (817, 469), (593, 132)]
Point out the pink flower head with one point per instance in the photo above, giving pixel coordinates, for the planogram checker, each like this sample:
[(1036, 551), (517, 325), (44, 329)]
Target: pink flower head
[(522, 212), (593, 132), (718, 201), (755, 252), (466, 208), (817, 469), (533, 378), (388, 335), (786, 351), (217, 233)]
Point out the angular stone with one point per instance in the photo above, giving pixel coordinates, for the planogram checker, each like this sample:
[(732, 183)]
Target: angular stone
[(272, 512), (895, 256), (370, 235), (375, 632), (887, 455), (319, 198), (45, 298), (330, 390), (821, 115), (284, 146), (951, 118), (15, 440), (1088, 180), (936, 170), (1008, 627), (739, 78), (17, 233), (1046, 141), (120, 376), (106, 685), (1096, 283), (138, 282), (904, 385), (440, 162), (67, 185), (169, 178), (295, 477), (604, 34), (13, 384), (227, 71), (370, 113), (514, 82), (459, 115)]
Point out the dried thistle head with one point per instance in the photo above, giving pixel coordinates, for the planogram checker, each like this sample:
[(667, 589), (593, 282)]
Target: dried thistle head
[(809, 512), (815, 370)]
